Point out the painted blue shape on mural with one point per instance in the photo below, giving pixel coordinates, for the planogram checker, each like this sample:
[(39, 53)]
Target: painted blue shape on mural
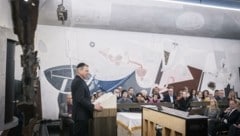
[(110, 85), (61, 77)]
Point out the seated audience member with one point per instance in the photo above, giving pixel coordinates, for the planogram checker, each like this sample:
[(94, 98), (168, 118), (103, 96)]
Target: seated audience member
[(120, 88), (199, 96), (145, 95), (212, 112), (169, 97), (232, 95), (155, 98), (186, 90), (139, 98), (179, 95), (117, 92), (155, 90), (124, 98), (131, 94), (221, 97), (216, 95), (229, 116), (183, 103), (66, 114), (234, 129), (206, 97), (193, 95)]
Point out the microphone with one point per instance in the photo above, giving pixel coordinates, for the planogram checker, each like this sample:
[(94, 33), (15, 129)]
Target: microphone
[(90, 80)]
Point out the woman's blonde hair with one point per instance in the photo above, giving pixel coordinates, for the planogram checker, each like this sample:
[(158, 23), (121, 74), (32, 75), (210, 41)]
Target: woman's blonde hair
[(215, 104)]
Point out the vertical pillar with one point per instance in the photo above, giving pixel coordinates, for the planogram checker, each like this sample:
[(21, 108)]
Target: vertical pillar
[(10, 85), (3, 53)]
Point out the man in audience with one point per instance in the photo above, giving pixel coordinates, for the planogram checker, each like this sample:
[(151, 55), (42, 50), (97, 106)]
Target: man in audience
[(169, 97), (183, 103), (221, 97), (117, 92), (229, 116), (216, 95), (139, 98), (124, 98), (234, 129), (65, 115), (131, 94)]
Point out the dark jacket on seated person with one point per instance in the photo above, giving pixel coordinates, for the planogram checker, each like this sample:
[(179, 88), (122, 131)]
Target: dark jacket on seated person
[(167, 98), (234, 129), (183, 104), (65, 114), (229, 118), (65, 110)]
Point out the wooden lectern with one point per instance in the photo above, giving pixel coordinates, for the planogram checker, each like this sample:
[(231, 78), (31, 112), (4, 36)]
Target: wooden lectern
[(173, 123), (104, 122)]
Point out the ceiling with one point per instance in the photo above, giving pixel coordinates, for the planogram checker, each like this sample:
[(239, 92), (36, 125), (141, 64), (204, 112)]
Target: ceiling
[(151, 16)]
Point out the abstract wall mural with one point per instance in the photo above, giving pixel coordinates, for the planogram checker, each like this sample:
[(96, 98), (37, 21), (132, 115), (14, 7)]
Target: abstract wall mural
[(129, 59)]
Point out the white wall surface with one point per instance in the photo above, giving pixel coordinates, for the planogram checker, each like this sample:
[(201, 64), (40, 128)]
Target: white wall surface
[(114, 54), (6, 15)]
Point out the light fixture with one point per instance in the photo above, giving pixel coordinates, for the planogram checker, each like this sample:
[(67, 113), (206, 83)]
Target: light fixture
[(61, 13)]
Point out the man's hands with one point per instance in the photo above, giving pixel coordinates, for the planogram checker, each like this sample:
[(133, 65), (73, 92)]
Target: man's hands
[(98, 107)]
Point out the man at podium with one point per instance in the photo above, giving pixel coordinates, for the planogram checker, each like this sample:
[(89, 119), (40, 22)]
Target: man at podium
[(82, 107)]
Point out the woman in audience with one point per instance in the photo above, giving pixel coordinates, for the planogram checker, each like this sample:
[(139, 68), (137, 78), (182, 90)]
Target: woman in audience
[(212, 112), (155, 99), (193, 95), (206, 97), (199, 96), (155, 90), (232, 95)]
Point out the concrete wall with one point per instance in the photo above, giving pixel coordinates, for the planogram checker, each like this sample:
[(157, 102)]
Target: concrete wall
[(6, 16), (5, 34)]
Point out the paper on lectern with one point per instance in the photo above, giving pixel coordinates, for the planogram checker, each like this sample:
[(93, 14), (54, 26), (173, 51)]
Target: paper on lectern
[(107, 100)]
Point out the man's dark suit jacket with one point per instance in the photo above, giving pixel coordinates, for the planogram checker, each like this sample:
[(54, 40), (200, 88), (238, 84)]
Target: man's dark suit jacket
[(233, 130), (82, 106), (232, 118), (166, 98)]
